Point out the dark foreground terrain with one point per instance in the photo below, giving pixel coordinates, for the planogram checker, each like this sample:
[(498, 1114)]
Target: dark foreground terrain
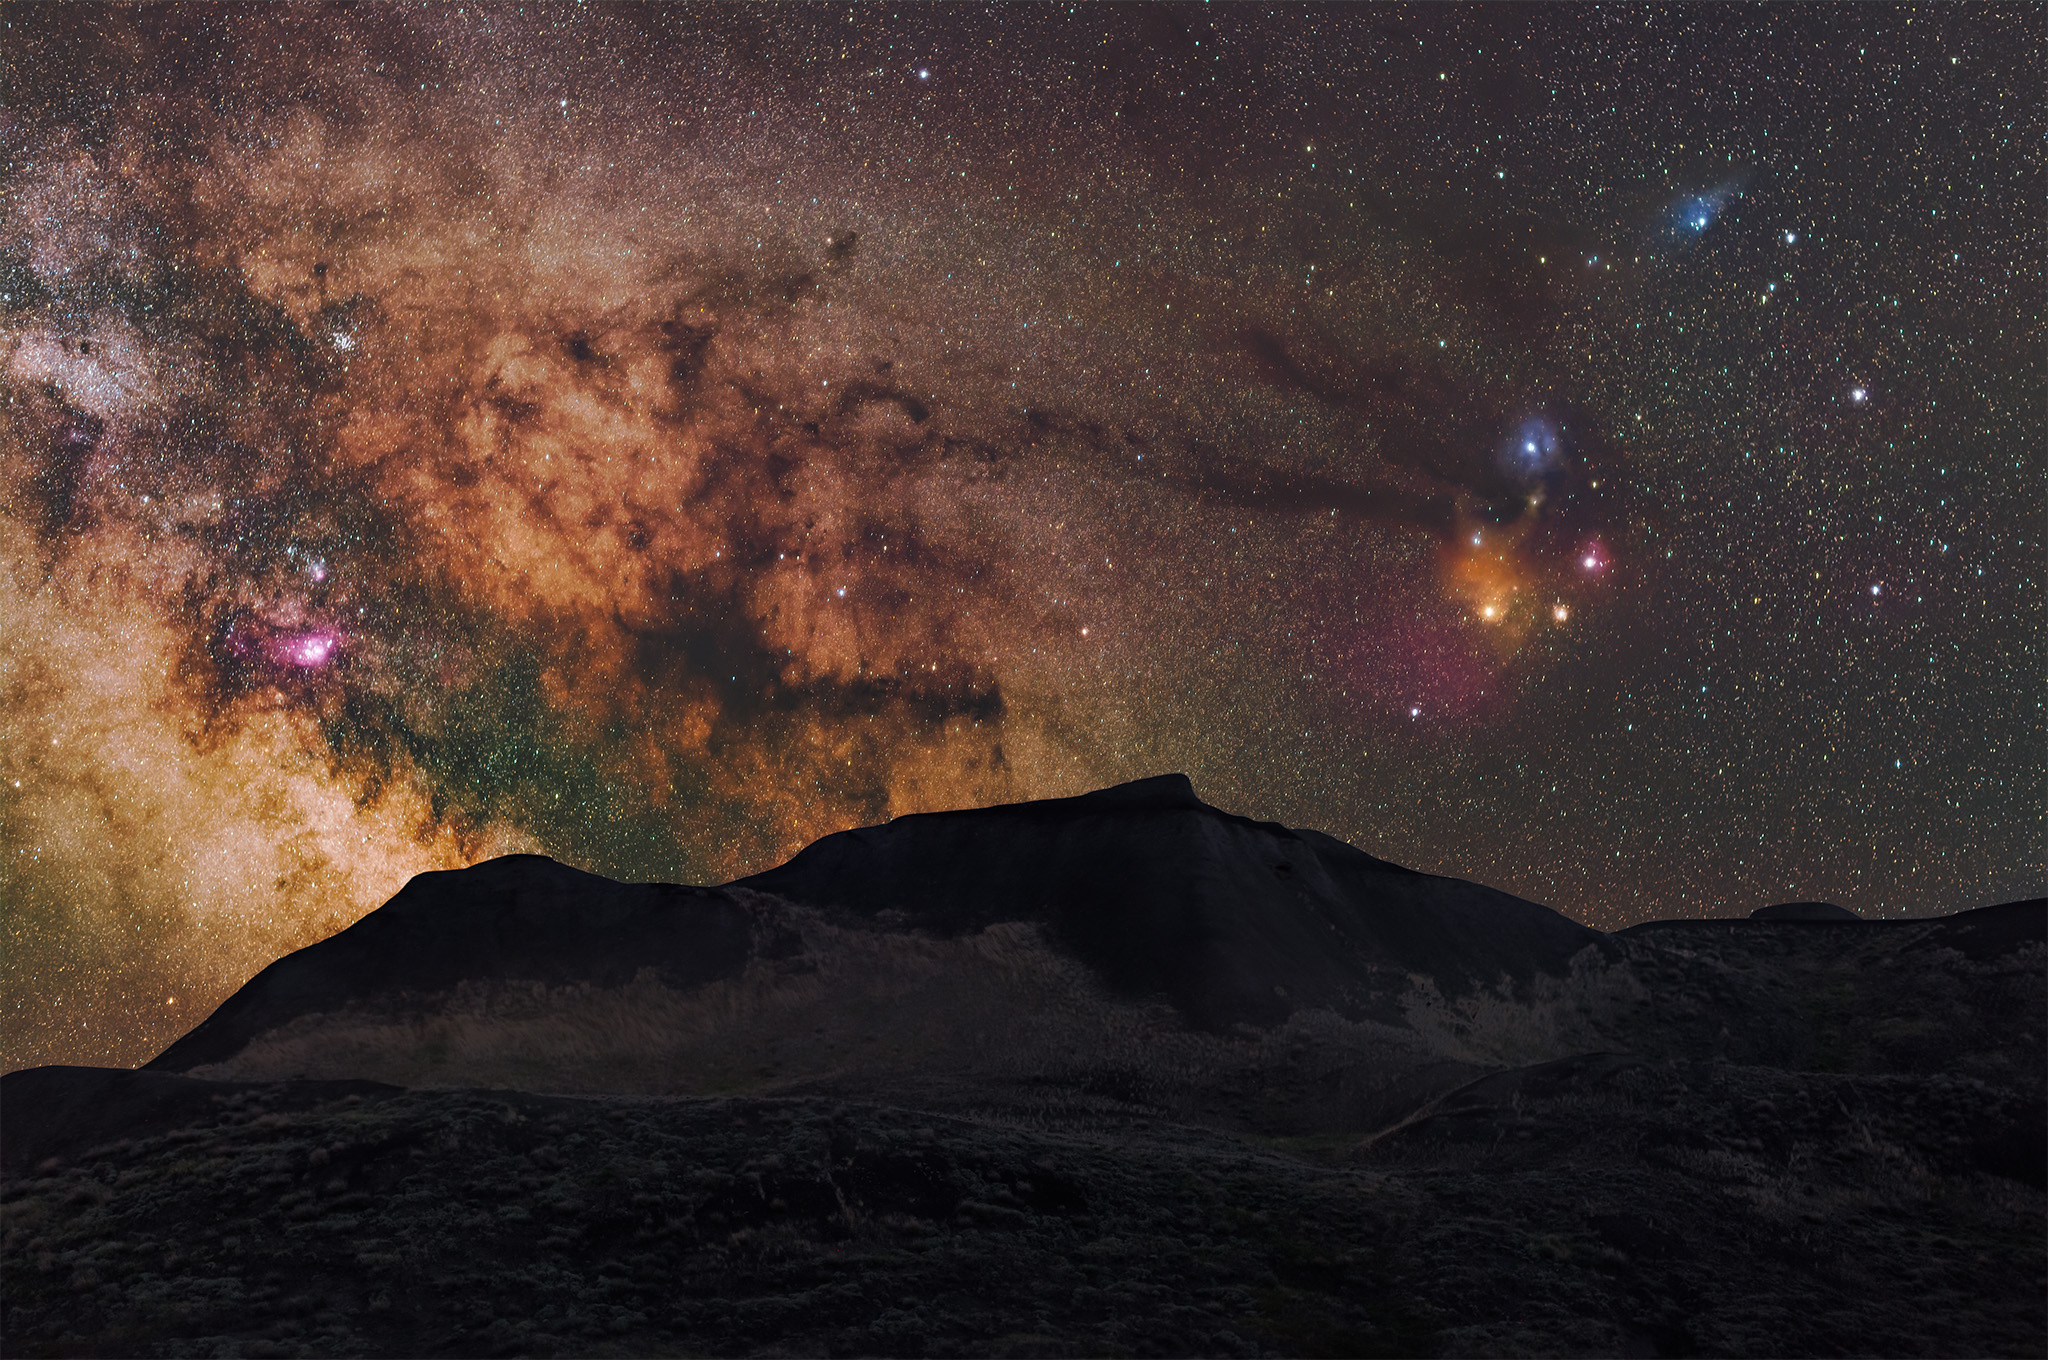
[(1116, 1075), (1596, 1207)]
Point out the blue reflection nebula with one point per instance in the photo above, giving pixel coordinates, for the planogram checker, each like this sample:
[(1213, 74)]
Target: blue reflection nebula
[(1534, 445), (1693, 214)]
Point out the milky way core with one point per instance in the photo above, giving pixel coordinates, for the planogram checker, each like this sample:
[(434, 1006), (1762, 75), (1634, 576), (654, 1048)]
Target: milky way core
[(658, 437)]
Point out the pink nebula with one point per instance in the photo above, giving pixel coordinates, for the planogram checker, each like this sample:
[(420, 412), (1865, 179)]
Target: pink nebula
[(306, 650)]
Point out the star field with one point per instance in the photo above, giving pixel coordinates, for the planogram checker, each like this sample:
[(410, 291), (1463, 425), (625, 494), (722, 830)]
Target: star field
[(1593, 452)]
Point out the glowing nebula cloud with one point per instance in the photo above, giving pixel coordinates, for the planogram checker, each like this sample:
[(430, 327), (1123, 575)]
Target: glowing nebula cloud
[(661, 438), (411, 461), (1535, 446), (1695, 214)]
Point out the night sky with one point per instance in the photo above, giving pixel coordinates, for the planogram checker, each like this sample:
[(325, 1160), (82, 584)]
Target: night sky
[(1595, 452)]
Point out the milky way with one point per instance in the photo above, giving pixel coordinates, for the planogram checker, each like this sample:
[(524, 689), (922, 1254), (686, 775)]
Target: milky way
[(1585, 453)]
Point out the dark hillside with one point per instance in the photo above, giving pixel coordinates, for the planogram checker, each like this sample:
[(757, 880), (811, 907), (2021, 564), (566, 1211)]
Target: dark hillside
[(1235, 921)]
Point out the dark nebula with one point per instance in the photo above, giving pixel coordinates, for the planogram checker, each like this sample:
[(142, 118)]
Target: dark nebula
[(1587, 453)]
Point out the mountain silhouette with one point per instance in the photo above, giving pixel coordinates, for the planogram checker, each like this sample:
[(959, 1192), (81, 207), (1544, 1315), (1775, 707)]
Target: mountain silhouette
[(1236, 921), (1090, 922), (514, 917)]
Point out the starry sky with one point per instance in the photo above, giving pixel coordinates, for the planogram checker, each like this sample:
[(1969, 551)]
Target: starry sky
[(1591, 451)]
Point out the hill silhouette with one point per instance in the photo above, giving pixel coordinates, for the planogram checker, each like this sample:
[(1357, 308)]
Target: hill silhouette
[(1236, 921), (1133, 944)]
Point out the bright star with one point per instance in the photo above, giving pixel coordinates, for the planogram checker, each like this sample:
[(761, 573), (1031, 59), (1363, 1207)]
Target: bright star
[(1858, 395)]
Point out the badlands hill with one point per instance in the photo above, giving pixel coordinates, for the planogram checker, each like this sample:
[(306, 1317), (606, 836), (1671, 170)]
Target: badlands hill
[(1132, 943), (1116, 1074)]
